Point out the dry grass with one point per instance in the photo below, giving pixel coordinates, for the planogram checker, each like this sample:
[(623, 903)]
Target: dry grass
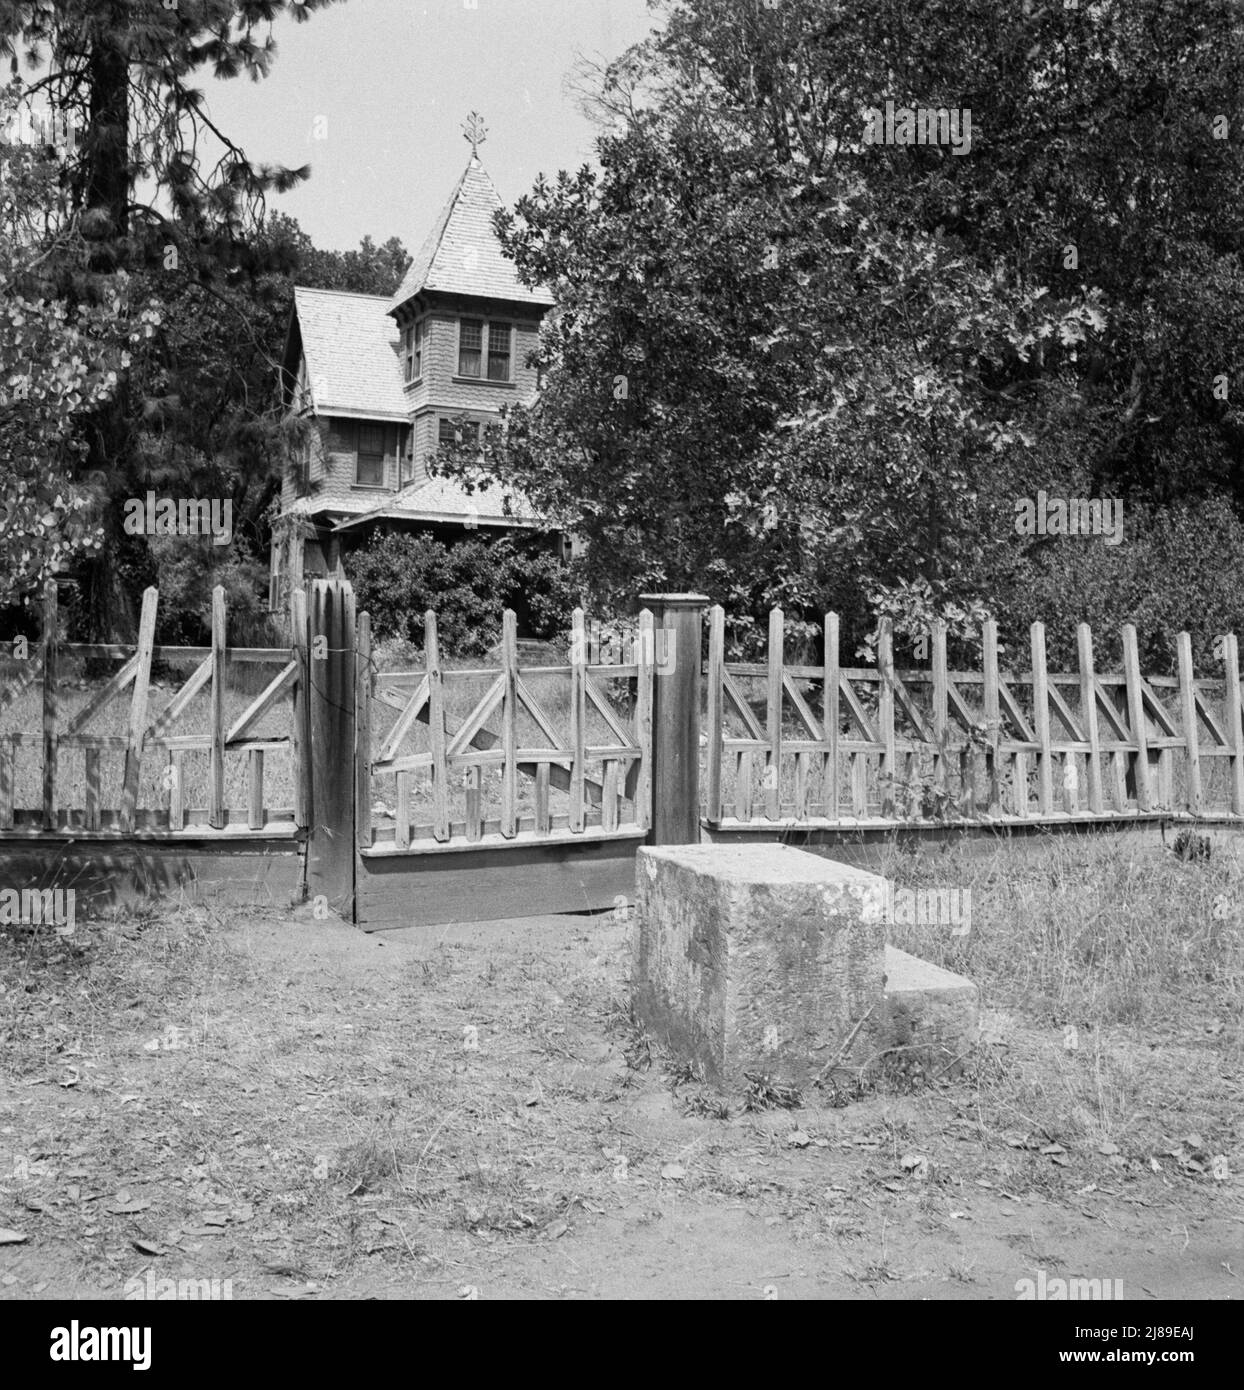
[(319, 1103)]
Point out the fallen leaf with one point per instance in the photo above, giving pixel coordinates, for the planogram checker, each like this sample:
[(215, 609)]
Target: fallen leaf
[(127, 1208), (915, 1164), (1106, 1147), (147, 1247), (1220, 1168), (1154, 1164), (8, 1237), (798, 1140), (1194, 1141), (558, 1228), (1053, 1149), (675, 1172)]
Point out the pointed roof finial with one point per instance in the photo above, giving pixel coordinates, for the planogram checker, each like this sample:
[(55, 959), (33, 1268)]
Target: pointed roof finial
[(474, 130)]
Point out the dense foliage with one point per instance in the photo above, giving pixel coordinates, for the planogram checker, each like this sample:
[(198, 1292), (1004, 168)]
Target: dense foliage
[(787, 366), (398, 577)]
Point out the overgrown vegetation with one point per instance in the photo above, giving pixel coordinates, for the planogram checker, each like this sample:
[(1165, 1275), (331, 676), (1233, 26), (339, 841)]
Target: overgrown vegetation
[(788, 367), (321, 1121), (399, 576)]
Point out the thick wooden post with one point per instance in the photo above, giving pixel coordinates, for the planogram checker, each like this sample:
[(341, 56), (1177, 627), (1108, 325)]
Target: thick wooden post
[(677, 619), (330, 850)]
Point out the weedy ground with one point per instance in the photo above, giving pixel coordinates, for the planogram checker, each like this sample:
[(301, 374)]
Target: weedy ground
[(311, 1112)]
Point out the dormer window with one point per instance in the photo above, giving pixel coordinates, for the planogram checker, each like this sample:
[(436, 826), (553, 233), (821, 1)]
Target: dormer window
[(480, 341)]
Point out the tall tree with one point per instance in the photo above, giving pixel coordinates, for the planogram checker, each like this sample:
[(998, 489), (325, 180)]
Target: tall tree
[(789, 365), (151, 205), (57, 363)]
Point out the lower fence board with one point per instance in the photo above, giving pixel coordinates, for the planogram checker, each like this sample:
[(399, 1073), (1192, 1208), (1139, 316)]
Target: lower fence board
[(488, 884), (107, 872)]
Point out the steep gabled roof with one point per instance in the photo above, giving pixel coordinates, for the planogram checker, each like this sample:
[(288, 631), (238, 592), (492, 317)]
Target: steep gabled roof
[(352, 349), (463, 255)]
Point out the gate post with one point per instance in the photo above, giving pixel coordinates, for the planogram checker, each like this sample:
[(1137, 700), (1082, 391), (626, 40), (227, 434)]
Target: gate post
[(330, 846), (677, 624)]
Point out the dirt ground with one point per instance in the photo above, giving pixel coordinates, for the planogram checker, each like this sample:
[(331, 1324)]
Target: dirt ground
[(315, 1113)]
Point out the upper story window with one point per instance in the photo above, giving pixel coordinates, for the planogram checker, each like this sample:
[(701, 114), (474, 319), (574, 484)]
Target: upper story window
[(370, 471), (484, 341), (412, 351)]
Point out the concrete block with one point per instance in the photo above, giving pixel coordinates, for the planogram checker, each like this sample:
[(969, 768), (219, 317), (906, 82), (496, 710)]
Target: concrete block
[(757, 958), (931, 1011)]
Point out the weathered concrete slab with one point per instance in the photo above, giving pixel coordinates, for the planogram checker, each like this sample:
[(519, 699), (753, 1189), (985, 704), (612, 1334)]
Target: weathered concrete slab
[(757, 958), (930, 1011)]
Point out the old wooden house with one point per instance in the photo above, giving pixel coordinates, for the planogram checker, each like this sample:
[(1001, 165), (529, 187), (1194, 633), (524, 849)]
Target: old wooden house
[(384, 383)]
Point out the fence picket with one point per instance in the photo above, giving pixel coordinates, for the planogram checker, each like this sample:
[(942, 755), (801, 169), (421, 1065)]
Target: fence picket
[(436, 729), (1136, 717), (255, 815), (299, 749), (643, 724), (138, 708), (51, 648), (1187, 702), (90, 762), (773, 715), (1233, 718), (831, 714), (509, 734), (578, 718), (364, 684), (941, 706), (885, 713), (1041, 720), (716, 731), (1088, 712), (8, 752), (216, 762)]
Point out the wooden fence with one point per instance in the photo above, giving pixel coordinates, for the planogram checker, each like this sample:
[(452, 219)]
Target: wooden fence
[(832, 745), (457, 793), (153, 755)]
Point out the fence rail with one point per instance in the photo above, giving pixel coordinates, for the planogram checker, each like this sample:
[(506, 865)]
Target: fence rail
[(67, 804), (831, 744)]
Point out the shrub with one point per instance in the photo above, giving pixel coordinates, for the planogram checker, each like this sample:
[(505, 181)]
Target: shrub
[(398, 577), (1178, 568)]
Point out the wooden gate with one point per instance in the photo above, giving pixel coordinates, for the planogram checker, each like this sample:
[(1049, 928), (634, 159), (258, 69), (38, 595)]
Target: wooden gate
[(492, 791)]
